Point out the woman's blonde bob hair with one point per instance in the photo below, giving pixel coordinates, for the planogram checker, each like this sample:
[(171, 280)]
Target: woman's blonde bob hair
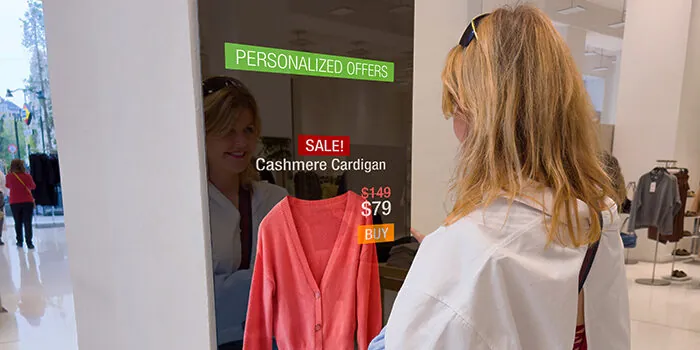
[(222, 109), (529, 120)]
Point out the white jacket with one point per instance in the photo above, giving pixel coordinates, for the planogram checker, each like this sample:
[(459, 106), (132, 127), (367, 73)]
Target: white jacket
[(489, 282), (232, 286)]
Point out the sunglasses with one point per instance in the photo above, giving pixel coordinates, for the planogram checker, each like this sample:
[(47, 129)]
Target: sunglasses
[(470, 32), (215, 84)]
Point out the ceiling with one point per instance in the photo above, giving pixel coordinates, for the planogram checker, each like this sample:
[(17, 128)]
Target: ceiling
[(391, 16), (610, 44), (611, 4), (596, 17)]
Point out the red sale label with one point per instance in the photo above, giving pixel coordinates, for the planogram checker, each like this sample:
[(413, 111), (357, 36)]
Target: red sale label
[(316, 145)]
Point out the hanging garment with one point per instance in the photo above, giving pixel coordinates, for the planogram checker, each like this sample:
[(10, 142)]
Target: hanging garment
[(678, 219), (55, 174), (314, 287), (44, 171), (307, 185), (656, 202)]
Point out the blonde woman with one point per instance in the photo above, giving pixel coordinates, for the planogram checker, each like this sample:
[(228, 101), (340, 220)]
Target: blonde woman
[(503, 272), (237, 200)]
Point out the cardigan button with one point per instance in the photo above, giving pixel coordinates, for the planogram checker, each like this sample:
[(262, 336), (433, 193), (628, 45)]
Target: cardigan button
[(318, 295), (318, 327)]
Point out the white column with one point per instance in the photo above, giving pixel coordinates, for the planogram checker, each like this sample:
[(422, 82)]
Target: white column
[(125, 84), (688, 141), (434, 145), (649, 94), (651, 82), (612, 81)]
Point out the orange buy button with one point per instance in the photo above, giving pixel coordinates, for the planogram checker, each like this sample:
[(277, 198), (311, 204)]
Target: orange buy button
[(368, 234)]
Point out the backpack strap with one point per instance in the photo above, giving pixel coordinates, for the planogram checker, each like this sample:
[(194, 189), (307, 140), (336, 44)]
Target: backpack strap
[(590, 257), (246, 224)]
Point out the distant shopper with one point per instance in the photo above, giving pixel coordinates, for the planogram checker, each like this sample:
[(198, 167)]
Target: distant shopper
[(612, 168), (533, 214), (21, 185), (2, 202), (238, 200)]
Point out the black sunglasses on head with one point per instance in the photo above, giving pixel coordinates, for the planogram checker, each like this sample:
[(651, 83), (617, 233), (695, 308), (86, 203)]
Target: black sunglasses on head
[(215, 84), (470, 32)]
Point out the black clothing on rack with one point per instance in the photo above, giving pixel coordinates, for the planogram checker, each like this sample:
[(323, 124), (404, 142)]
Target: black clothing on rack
[(45, 172)]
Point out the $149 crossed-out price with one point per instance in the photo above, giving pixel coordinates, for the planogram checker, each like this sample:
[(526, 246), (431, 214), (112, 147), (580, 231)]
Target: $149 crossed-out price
[(383, 192)]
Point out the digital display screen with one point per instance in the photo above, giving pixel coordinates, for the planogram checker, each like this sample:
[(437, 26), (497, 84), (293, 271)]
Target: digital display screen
[(308, 119)]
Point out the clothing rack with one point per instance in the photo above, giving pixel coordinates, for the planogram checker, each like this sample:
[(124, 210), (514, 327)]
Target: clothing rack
[(695, 245), (653, 281)]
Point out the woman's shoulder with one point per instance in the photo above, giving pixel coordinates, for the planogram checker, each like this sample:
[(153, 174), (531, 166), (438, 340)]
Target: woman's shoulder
[(269, 193)]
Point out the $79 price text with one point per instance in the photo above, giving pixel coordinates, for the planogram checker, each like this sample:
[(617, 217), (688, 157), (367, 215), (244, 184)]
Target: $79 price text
[(376, 207)]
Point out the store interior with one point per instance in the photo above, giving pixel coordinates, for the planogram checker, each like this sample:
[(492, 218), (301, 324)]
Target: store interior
[(643, 84)]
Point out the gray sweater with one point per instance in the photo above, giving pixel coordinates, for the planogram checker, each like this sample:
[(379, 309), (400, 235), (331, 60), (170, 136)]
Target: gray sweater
[(656, 202)]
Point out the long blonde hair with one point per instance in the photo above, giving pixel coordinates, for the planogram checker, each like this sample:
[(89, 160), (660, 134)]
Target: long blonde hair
[(222, 109), (529, 120)]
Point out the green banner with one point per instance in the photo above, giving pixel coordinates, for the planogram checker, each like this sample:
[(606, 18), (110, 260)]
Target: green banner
[(271, 60)]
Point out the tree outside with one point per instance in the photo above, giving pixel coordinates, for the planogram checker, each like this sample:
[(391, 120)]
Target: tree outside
[(37, 90), (38, 134)]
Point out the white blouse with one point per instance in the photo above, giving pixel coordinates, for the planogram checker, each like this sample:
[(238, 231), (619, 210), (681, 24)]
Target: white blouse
[(225, 221), (490, 282), (232, 286)]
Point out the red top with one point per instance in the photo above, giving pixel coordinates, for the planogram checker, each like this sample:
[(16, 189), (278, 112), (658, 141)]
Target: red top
[(314, 287), (18, 192)]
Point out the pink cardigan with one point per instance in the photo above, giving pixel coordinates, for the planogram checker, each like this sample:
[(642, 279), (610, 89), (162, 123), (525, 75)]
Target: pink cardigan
[(314, 286)]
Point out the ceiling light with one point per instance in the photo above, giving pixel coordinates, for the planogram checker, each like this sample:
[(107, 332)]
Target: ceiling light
[(600, 69), (342, 11), (401, 9), (617, 25), (571, 10)]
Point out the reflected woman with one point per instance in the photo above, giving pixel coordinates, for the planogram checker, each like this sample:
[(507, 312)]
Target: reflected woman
[(238, 201)]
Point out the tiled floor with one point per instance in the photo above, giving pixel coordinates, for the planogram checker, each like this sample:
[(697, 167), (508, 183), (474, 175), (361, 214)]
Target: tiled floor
[(35, 288), (664, 317)]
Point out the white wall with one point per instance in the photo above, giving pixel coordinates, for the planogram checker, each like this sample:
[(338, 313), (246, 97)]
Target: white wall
[(124, 76), (688, 142), (434, 145), (650, 86), (596, 90)]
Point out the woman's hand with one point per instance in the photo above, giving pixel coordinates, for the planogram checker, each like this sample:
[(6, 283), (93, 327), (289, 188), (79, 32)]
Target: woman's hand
[(417, 235)]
